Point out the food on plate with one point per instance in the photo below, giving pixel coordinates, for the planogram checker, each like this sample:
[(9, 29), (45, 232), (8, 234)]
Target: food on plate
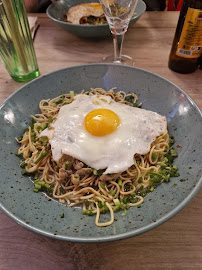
[(98, 149), (90, 13)]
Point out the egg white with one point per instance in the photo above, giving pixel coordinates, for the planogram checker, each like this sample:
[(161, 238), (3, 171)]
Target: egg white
[(114, 152), (75, 13)]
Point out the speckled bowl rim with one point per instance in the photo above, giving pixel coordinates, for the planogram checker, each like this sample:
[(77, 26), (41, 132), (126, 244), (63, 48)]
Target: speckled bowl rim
[(121, 236), (88, 26)]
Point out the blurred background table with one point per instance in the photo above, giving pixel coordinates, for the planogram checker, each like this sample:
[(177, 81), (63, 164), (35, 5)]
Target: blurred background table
[(177, 244)]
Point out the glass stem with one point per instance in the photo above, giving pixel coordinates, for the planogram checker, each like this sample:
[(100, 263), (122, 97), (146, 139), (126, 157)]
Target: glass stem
[(118, 41)]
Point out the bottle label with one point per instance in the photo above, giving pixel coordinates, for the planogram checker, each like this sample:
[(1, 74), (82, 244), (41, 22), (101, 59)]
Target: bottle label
[(190, 43)]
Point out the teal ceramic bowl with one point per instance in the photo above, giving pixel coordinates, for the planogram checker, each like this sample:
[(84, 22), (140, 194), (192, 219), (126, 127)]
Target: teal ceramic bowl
[(39, 213), (57, 11)]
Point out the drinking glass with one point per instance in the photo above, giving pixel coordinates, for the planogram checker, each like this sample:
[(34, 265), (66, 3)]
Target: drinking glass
[(16, 45), (118, 14)]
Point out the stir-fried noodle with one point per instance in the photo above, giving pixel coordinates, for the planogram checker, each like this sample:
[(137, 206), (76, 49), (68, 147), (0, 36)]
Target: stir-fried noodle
[(73, 182)]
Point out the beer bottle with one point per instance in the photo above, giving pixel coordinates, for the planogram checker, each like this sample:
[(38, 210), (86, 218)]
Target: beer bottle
[(200, 62), (187, 43)]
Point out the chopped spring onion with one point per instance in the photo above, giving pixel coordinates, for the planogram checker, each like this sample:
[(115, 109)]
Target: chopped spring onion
[(152, 189), (173, 152), (71, 93), (154, 155), (105, 207), (163, 164), (120, 182), (44, 140), (23, 172), (62, 190), (125, 212), (20, 138), (98, 172), (37, 186), (43, 126), (129, 98), (125, 200), (140, 180), (165, 159), (100, 204), (102, 185), (36, 175), (41, 156), (112, 192), (117, 202), (90, 212), (67, 165), (50, 120), (23, 164), (33, 122), (40, 185)]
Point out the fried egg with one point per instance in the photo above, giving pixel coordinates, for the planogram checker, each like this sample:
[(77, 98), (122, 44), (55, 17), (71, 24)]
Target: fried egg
[(76, 13), (102, 133)]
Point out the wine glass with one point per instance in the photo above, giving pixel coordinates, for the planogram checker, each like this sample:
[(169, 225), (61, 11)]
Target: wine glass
[(118, 14)]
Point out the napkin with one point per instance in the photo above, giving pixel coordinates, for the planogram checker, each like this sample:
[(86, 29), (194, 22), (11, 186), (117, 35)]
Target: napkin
[(33, 24)]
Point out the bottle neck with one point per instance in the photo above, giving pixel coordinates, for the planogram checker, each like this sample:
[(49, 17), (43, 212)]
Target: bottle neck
[(192, 4)]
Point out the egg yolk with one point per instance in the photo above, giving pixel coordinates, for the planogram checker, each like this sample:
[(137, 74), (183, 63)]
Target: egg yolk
[(95, 5), (101, 122)]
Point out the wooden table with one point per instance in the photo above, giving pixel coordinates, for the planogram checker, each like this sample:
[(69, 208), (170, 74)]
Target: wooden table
[(177, 244)]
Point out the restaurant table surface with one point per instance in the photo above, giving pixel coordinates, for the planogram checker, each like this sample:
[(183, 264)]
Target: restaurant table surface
[(176, 244)]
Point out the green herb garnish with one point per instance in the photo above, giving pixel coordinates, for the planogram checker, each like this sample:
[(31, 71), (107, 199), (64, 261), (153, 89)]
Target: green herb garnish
[(41, 156)]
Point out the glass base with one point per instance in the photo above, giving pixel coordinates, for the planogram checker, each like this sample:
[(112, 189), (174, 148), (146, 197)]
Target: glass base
[(125, 60), (25, 78)]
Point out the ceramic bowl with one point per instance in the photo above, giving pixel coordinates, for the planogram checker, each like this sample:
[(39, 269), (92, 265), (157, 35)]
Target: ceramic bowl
[(57, 11), (39, 213)]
